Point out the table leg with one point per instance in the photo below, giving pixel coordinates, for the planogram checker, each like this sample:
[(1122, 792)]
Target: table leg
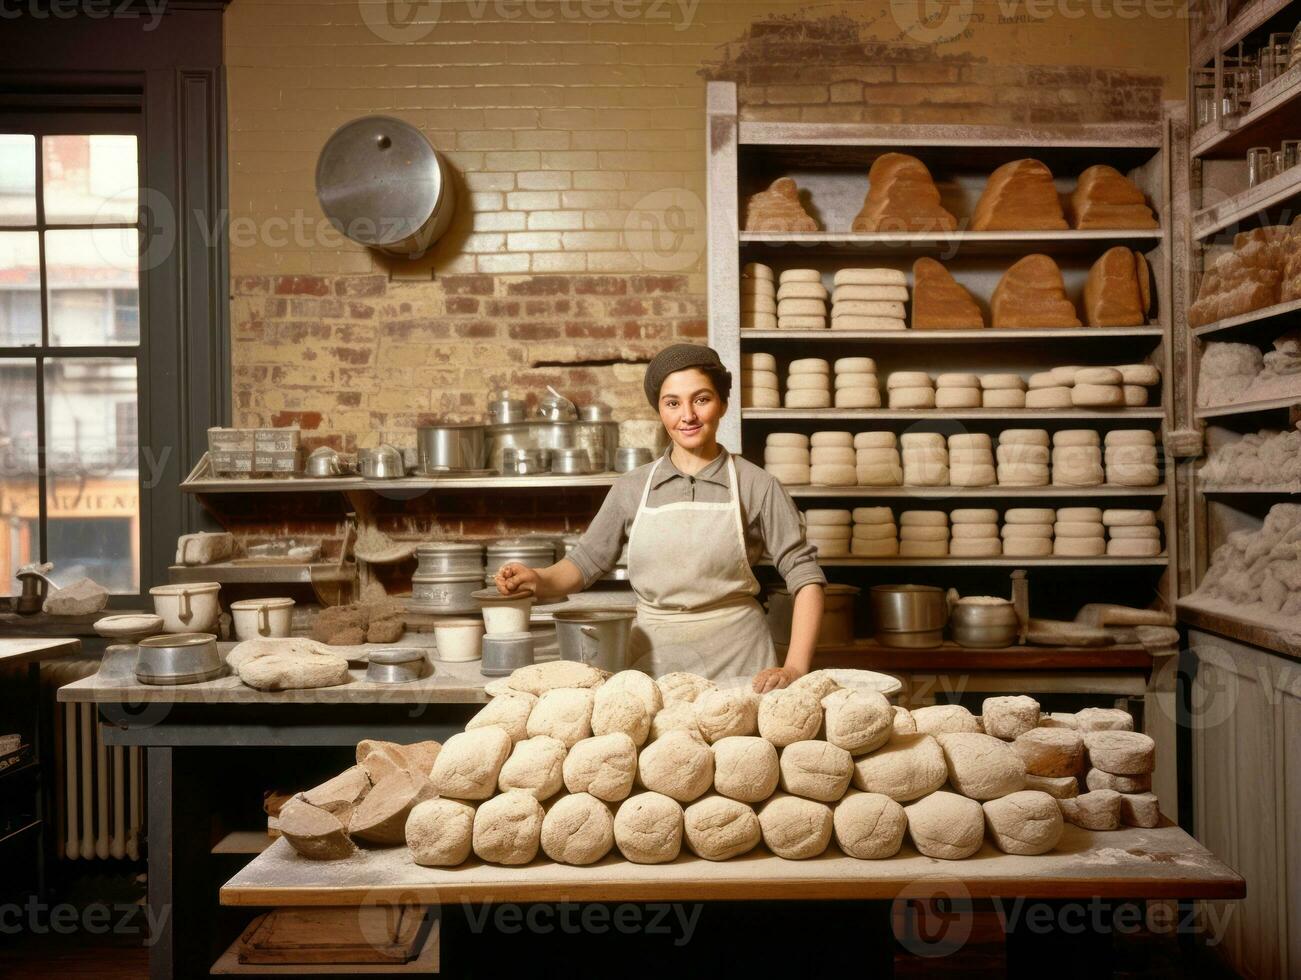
[(159, 802)]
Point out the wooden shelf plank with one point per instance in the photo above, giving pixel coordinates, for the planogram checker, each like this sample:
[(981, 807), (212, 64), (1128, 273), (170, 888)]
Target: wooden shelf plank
[(1249, 19), (1271, 118), (1236, 625), (1235, 210), (951, 243), (869, 654), (947, 414), (1249, 407), (243, 842), (956, 336), (258, 572), (978, 493), (1226, 491), (1145, 136), (1263, 319), (1063, 562)]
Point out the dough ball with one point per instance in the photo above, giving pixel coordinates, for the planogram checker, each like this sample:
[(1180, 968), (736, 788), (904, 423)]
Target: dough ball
[(1096, 810), (438, 832), (564, 713), (638, 683), (1008, 717), (937, 718), (903, 723), (946, 825), (577, 829), (815, 770), (684, 686), (745, 768), (507, 828), (537, 679), (535, 766), (468, 765), (906, 768), (314, 832), (1026, 822), (1139, 810), (819, 683), (1051, 751), (718, 828), (1058, 787), (859, 722), (648, 828), (604, 766), (980, 766), (1121, 753), (620, 711), (722, 714), (510, 712), (795, 828), (1097, 779), (679, 765), (1104, 719), (869, 826), (679, 716), (787, 716)]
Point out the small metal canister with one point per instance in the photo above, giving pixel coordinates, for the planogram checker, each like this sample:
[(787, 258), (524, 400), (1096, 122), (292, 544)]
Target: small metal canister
[(506, 652)]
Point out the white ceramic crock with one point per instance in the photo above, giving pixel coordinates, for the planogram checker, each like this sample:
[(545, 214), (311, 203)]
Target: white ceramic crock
[(262, 617), (504, 613), (459, 640), (188, 607)]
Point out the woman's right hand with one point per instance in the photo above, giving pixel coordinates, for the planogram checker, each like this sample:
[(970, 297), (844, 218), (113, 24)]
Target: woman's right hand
[(514, 577)]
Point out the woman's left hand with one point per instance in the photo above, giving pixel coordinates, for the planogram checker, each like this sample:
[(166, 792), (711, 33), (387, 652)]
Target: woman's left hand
[(774, 678)]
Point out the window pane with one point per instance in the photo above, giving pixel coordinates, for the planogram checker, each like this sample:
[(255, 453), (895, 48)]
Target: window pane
[(90, 179), (17, 180), (20, 289), (94, 286), (19, 492), (92, 474)]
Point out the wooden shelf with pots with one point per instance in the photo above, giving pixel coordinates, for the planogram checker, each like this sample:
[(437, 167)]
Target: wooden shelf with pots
[(1271, 118), (1274, 194), (1251, 407), (1253, 16), (1263, 324)]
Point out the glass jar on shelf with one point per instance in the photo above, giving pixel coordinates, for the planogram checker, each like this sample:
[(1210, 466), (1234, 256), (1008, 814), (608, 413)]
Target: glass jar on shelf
[(1259, 165), (1204, 97), (1291, 153)]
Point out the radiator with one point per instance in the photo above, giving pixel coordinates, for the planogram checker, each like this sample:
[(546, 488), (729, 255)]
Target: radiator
[(98, 789)]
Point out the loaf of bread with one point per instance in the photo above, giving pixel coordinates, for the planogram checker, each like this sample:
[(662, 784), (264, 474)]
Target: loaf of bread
[(940, 302), (1106, 198), (1113, 296), (1032, 295), (1020, 196), (901, 196), (778, 209)]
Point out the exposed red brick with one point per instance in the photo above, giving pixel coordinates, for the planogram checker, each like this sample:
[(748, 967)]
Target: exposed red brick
[(351, 355), (360, 285), (302, 286), (658, 284), (539, 286), (462, 304), (304, 420), (248, 285), (628, 306), (479, 328), (600, 285), (360, 311), (602, 331), (463, 285)]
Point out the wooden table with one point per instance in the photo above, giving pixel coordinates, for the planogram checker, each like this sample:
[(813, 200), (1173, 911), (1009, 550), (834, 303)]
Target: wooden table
[(34, 649)]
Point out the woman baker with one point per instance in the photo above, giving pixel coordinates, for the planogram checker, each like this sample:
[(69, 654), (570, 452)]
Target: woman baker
[(696, 520)]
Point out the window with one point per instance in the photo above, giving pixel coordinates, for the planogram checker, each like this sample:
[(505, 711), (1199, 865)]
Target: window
[(70, 349)]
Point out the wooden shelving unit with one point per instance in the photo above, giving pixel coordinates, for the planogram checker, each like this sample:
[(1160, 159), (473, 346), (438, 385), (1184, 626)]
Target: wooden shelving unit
[(830, 164)]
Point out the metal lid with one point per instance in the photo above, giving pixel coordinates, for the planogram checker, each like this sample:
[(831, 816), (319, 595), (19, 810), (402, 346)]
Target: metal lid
[(449, 548), (513, 545), (276, 603), (493, 595), (596, 413), (396, 655), (168, 640), (378, 180)]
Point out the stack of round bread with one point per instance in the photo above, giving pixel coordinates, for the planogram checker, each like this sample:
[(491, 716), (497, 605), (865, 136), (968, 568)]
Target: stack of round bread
[(925, 459), (1079, 533), (1130, 458), (808, 383), (1002, 391), (1028, 532), (877, 460), (856, 383), (1132, 533), (1077, 458), (875, 533), (1022, 458), (974, 533), (869, 299), (1137, 379), (786, 457), (801, 300), (759, 384), (758, 297), (1051, 389), (832, 459), (957, 391), (910, 389), (1099, 387), (828, 531), (971, 460), (923, 534)]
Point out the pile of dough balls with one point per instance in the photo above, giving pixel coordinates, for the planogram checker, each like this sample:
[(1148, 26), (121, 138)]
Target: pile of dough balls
[(576, 764)]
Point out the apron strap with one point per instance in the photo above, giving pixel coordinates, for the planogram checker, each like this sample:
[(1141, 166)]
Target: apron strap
[(645, 495), (736, 504)]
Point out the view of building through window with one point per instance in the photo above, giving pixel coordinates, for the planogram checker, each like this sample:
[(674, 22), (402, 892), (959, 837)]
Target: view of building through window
[(69, 348)]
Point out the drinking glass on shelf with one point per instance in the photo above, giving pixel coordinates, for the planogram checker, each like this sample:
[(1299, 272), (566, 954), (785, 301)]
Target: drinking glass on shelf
[(1277, 164), (1282, 45), (1204, 96), (1291, 153), (1259, 159)]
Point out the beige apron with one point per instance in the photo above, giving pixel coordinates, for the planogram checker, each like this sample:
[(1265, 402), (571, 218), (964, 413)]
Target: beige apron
[(696, 609)]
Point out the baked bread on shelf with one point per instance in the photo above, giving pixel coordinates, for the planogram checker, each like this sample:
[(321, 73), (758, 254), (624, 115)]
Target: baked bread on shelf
[(1031, 295), (1106, 198), (1020, 196), (778, 209), (1117, 292), (940, 302), (901, 196)]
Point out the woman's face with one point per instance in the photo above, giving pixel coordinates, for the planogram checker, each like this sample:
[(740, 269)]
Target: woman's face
[(690, 408)]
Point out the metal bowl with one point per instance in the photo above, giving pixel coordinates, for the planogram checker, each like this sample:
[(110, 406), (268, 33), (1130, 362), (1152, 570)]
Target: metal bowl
[(395, 665), (570, 462), (628, 458), (984, 626), (450, 447), (178, 658), (384, 462), (908, 607), (324, 461)]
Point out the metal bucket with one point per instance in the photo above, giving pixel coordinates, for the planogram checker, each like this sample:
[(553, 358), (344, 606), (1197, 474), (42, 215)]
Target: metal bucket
[(599, 638)]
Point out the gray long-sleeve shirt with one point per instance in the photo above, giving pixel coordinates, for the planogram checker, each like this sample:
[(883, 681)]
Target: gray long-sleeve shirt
[(772, 522)]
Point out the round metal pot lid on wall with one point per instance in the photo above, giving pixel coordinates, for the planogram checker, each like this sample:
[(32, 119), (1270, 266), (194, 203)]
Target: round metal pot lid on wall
[(383, 185)]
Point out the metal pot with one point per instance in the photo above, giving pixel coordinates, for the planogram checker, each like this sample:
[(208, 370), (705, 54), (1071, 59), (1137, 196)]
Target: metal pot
[(984, 626), (506, 652), (570, 462), (530, 553), (445, 594), (600, 440), (384, 462), (599, 638), (178, 658), (398, 665), (596, 412), (382, 184), (449, 558), (556, 407), (628, 458), (504, 410), (910, 616), (525, 462), (837, 626), (450, 447), (324, 461)]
